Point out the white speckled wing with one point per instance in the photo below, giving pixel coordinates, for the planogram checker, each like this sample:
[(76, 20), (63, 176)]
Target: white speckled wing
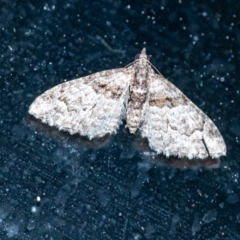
[(175, 126), (95, 105), (92, 106)]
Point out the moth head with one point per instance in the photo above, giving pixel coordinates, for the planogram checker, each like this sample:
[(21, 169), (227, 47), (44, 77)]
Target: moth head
[(142, 55)]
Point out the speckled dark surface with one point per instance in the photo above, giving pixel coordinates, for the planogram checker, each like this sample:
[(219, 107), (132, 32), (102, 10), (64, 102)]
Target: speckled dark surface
[(54, 186)]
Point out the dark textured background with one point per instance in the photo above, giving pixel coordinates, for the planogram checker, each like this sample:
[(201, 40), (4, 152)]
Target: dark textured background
[(108, 190)]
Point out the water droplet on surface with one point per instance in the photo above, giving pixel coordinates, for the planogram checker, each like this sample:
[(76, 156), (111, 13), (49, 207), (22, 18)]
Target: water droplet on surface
[(210, 216), (31, 224)]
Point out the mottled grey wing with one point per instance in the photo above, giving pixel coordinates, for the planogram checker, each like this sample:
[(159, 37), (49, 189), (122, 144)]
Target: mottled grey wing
[(92, 106), (175, 126)]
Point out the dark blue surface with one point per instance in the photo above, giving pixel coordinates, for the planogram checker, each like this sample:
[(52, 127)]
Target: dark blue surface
[(57, 186)]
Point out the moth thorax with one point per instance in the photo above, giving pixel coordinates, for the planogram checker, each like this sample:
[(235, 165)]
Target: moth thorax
[(137, 95)]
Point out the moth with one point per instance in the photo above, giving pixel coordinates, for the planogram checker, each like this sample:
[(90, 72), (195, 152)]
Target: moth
[(96, 105)]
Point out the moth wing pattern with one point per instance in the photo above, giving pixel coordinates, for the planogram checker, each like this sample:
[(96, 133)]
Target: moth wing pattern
[(174, 125), (95, 106), (92, 106)]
